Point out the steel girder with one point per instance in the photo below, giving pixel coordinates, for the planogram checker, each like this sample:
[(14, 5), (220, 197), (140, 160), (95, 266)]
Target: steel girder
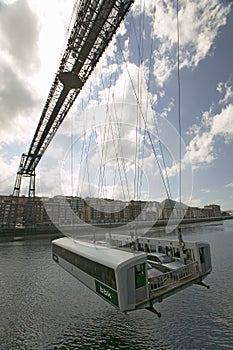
[(95, 24)]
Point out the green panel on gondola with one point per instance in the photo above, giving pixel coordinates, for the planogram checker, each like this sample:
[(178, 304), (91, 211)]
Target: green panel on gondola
[(107, 293)]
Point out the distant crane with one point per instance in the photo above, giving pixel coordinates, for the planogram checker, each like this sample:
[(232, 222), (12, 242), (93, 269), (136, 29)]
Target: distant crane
[(95, 24)]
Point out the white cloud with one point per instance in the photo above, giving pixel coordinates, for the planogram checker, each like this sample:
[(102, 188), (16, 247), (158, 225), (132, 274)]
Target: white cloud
[(206, 190), (8, 173), (229, 185), (27, 39), (130, 86), (18, 50), (223, 123), (227, 91), (19, 35), (201, 149), (195, 203), (199, 25)]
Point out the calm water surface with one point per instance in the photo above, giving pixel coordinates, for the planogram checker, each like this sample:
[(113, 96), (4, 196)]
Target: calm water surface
[(44, 308)]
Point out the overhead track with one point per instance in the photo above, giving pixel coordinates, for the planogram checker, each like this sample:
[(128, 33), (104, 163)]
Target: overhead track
[(95, 24)]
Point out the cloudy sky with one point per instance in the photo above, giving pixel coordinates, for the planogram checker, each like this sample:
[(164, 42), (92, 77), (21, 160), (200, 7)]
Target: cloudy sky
[(121, 138)]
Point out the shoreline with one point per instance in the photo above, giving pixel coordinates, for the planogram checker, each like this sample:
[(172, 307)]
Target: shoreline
[(52, 232)]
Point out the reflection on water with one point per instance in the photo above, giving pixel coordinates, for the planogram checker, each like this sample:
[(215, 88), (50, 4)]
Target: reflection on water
[(188, 229), (43, 307)]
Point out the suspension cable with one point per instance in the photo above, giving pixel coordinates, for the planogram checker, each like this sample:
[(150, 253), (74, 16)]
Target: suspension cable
[(145, 121), (181, 242), (149, 99)]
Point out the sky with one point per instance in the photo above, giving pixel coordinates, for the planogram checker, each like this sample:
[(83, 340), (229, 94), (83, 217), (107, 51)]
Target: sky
[(122, 138)]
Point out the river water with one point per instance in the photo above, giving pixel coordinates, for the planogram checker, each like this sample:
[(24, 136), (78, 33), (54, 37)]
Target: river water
[(42, 307)]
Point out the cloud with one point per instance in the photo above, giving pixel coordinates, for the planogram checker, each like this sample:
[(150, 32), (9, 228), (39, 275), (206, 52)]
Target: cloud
[(226, 90), (130, 86), (229, 185), (19, 35), (18, 59), (223, 123), (201, 149), (199, 25), (16, 107), (7, 175), (29, 56), (195, 202), (206, 190)]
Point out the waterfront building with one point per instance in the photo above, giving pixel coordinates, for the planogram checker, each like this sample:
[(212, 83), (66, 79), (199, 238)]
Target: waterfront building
[(69, 210), (193, 212), (213, 210)]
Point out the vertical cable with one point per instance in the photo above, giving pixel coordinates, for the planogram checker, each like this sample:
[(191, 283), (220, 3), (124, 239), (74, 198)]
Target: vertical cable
[(181, 242), (179, 94), (72, 159)]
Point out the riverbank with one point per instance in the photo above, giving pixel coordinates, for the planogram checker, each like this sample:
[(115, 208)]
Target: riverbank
[(9, 235), (53, 232)]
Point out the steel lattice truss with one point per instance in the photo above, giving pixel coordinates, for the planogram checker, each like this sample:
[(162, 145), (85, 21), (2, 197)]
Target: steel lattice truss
[(95, 24)]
